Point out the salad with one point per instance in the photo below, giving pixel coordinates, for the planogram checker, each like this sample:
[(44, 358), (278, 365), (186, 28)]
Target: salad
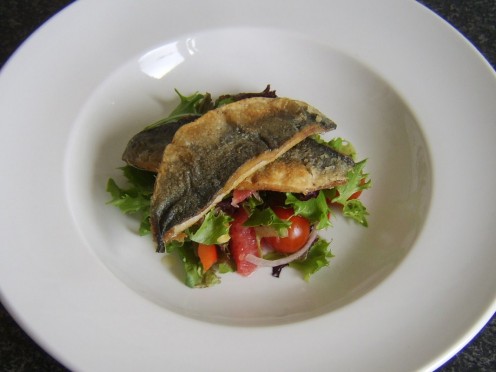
[(248, 227)]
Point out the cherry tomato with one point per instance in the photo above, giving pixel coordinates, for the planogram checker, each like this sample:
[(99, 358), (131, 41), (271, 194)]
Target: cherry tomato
[(298, 232), (243, 242)]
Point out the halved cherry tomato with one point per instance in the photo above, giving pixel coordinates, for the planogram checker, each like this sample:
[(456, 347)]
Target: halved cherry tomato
[(243, 242), (298, 232), (207, 254)]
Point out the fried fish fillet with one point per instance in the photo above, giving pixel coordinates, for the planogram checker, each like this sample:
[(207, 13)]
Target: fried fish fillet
[(211, 156), (146, 148), (307, 167)]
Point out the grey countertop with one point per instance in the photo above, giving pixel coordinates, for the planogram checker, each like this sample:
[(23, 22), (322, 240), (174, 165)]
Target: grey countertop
[(475, 19)]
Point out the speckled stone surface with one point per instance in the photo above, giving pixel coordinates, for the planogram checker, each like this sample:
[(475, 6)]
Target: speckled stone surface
[(475, 19)]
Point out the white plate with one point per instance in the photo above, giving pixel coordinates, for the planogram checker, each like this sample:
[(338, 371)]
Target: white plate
[(404, 294)]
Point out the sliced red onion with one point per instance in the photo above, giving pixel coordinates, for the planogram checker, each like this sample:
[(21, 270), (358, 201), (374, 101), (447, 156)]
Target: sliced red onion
[(285, 260)]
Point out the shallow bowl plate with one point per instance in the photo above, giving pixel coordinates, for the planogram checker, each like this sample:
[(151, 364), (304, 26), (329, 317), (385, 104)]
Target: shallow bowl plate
[(405, 293)]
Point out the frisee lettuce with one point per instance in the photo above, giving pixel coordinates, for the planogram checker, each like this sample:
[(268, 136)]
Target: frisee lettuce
[(356, 210), (135, 199), (357, 181), (267, 217), (213, 230), (318, 256), (187, 105), (195, 104), (354, 184), (316, 210)]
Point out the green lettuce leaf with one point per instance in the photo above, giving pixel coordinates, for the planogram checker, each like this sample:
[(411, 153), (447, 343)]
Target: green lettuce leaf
[(357, 181), (135, 199), (213, 230), (224, 101), (195, 276), (188, 104), (251, 203), (355, 210), (316, 210), (267, 217), (354, 184), (194, 104), (318, 257)]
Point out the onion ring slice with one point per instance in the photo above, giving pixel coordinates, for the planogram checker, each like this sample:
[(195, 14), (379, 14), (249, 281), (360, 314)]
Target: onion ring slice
[(262, 262)]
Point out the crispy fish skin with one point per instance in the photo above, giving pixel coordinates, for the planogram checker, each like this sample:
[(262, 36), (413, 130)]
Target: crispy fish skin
[(307, 167), (145, 149), (210, 156)]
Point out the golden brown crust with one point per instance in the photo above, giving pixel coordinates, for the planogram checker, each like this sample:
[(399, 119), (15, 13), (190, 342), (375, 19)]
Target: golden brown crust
[(291, 176), (307, 167)]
